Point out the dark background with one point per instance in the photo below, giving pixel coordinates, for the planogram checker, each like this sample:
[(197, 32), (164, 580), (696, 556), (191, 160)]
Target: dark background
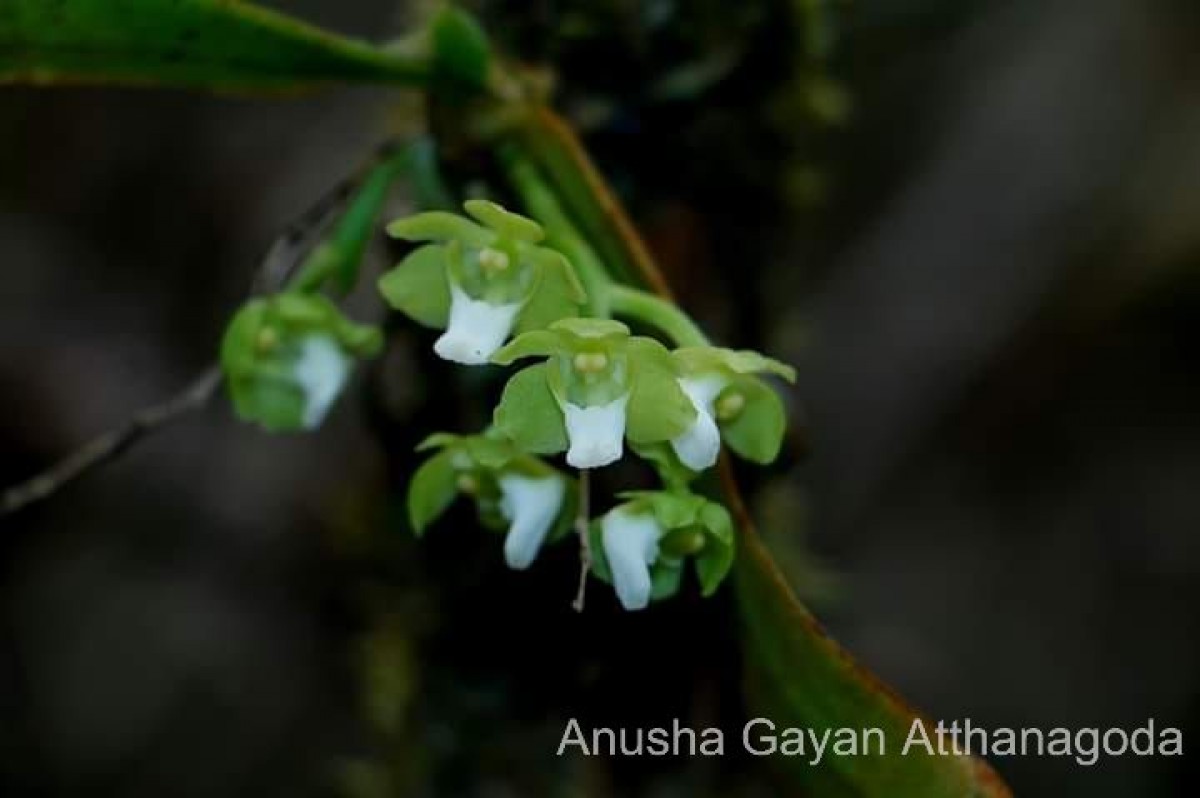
[(974, 225)]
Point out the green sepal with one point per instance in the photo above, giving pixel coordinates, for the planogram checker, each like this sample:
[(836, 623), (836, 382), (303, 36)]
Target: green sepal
[(558, 294), (583, 329), (418, 287), (528, 414), (666, 463), (756, 432), (658, 408), (433, 488), (699, 359), (460, 47), (506, 223), (715, 560), (441, 226), (535, 343)]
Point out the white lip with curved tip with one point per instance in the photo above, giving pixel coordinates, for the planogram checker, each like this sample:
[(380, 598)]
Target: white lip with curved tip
[(476, 329), (321, 370), (596, 433), (700, 445), (631, 546), (531, 504)]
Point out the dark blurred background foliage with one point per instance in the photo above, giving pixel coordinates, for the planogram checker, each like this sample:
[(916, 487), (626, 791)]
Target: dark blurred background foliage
[(974, 225)]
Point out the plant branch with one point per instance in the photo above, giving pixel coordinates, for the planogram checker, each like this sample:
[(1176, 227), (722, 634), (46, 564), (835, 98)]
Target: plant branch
[(277, 269), (111, 444)]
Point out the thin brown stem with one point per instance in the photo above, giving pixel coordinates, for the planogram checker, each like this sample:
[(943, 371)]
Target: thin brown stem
[(111, 444), (582, 519)]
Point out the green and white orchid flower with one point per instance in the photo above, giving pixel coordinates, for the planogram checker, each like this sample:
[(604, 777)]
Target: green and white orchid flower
[(513, 492), (598, 387), (287, 357), (641, 545), (731, 403), (479, 283)]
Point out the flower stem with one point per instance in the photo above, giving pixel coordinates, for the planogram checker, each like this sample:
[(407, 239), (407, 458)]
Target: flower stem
[(633, 303), (582, 519)]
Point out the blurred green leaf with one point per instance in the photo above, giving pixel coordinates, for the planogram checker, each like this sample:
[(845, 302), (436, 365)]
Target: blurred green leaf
[(798, 676), (221, 44)]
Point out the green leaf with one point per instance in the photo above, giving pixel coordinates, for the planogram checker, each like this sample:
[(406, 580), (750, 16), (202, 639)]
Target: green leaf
[(799, 677), (433, 488), (339, 257), (658, 408), (461, 47), (218, 44), (528, 414), (440, 226), (756, 432), (418, 286)]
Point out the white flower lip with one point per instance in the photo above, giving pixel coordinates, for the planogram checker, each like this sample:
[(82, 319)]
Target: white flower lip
[(631, 546), (321, 370), (476, 328), (700, 445), (596, 433), (531, 504)]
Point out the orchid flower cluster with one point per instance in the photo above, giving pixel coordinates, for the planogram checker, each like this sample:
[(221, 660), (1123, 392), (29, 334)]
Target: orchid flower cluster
[(500, 295), (589, 389)]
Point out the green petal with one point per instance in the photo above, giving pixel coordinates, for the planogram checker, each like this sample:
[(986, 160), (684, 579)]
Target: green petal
[(658, 409), (756, 433), (665, 578), (239, 344), (599, 558), (714, 562), (506, 223), (433, 488), (418, 287), (557, 295), (528, 414), (591, 328), (712, 566), (490, 453), (440, 226), (303, 311), (276, 405), (671, 471), (551, 260), (740, 361), (438, 440), (535, 343), (676, 510), (360, 340), (565, 523)]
